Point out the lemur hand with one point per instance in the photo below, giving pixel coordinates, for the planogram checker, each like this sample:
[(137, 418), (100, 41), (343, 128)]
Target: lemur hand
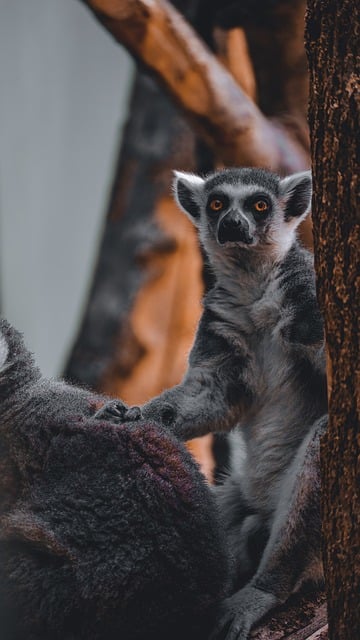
[(160, 411), (118, 411)]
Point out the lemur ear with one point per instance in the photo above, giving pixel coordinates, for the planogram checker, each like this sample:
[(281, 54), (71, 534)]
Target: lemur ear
[(187, 187), (295, 191)]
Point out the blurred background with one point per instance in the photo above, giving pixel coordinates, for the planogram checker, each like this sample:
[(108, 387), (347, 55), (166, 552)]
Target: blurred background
[(65, 89), (98, 268)]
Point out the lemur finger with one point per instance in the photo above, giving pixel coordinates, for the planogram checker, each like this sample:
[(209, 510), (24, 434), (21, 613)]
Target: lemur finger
[(168, 415), (231, 627), (114, 411), (132, 414)]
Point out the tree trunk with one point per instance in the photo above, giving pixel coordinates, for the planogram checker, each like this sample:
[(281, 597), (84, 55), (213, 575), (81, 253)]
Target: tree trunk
[(333, 35)]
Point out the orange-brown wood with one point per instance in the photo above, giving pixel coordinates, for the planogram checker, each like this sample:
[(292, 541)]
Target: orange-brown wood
[(233, 52), (165, 313)]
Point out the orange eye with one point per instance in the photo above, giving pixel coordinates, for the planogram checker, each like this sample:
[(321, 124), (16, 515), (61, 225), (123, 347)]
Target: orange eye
[(216, 205), (261, 206)]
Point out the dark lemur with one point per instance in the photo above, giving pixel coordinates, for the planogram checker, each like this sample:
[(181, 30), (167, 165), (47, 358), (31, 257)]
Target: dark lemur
[(257, 365), (106, 531)]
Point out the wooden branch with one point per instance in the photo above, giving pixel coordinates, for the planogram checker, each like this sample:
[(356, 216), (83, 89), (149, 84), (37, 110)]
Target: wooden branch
[(157, 35)]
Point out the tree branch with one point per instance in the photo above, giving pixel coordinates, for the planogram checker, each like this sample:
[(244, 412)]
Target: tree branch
[(157, 35)]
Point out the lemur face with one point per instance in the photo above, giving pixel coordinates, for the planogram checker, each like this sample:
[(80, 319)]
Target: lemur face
[(246, 208)]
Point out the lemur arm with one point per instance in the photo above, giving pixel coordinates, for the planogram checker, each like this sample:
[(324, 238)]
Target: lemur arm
[(212, 396), (293, 551), (193, 408)]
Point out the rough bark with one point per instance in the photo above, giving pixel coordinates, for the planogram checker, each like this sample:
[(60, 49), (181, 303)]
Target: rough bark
[(157, 35), (303, 617), (333, 35)]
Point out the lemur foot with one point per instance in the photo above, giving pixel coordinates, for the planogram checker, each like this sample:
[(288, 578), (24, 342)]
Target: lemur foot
[(240, 612)]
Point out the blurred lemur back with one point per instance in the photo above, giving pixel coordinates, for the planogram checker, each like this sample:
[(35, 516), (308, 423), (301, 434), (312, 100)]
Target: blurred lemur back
[(257, 366), (106, 531)]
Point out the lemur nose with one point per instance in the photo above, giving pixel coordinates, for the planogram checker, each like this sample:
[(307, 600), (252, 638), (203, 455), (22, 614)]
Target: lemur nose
[(234, 228)]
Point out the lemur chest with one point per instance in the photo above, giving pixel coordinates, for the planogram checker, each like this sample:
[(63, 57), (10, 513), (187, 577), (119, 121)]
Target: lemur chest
[(251, 324)]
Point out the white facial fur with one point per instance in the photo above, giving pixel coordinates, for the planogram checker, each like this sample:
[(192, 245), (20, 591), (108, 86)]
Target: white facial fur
[(280, 231)]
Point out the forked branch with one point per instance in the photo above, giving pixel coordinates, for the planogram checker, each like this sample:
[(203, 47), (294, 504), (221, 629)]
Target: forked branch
[(228, 120)]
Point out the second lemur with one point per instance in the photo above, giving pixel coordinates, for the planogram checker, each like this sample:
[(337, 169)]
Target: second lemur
[(257, 366)]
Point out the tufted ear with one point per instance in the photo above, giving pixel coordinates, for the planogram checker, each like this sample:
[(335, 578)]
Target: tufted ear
[(295, 192), (187, 190)]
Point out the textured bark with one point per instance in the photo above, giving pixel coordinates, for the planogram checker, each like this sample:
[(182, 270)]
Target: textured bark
[(303, 617), (333, 36), (157, 35)]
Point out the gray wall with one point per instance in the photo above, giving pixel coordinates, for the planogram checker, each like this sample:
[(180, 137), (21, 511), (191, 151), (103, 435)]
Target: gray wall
[(64, 87)]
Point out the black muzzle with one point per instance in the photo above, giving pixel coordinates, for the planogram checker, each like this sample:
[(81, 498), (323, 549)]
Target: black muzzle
[(232, 228)]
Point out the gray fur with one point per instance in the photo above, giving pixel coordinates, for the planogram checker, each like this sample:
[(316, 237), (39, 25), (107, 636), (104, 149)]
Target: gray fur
[(257, 366)]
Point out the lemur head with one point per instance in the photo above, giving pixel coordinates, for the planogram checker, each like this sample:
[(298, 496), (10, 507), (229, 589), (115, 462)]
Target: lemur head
[(245, 209)]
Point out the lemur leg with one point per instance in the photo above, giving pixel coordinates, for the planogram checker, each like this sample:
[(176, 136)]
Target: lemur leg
[(246, 542), (246, 533), (293, 552)]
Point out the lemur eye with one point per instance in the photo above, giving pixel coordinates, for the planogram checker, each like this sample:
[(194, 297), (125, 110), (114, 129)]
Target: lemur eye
[(216, 204), (261, 206)]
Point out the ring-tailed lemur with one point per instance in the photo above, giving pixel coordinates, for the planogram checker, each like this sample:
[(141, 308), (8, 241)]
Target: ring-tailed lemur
[(257, 364)]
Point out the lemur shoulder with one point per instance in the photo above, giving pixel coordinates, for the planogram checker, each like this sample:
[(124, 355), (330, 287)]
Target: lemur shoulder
[(257, 367)]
